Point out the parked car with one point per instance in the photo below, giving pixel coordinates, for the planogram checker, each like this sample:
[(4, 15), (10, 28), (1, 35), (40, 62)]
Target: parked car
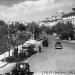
[(58, 45)]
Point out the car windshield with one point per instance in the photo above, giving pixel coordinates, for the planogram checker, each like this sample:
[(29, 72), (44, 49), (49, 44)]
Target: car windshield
[(58, 43), (24, 47)]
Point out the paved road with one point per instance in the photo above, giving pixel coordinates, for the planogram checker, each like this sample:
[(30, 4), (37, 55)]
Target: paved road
[(51, 60), (54, 60)]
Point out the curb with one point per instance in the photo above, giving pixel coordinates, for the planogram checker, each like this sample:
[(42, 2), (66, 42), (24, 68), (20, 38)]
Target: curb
[(68, 41), (4, 65)]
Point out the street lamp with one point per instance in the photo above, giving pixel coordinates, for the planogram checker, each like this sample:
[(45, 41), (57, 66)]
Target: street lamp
[(8, 31), (33, 31), (8, 39)]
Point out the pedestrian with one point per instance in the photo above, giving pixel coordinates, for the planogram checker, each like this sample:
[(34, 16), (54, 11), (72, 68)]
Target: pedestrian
[(16, 51), (39, 49)]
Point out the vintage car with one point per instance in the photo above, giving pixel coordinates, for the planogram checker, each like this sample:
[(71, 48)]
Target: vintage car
[(21, 69), (27, 50), (58, 45)]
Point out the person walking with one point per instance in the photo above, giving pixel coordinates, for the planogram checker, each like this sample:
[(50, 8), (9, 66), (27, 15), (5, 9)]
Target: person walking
[(15, 51), (40, 49)]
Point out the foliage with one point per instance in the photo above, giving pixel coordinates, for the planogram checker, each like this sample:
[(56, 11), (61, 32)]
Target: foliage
[(34, 29), (2, 23), (16, 35), (65, 30), (21, 27), (3, 34)]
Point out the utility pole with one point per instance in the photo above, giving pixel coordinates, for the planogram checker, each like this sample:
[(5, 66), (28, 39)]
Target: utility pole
[(8, 39), (33, 31), (8, 31)]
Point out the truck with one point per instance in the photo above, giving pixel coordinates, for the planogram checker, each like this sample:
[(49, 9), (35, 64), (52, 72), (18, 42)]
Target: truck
[(27, 50)]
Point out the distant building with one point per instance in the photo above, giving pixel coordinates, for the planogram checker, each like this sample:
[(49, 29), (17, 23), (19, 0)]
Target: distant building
[(51, 21), (69, 17), (62, 17)]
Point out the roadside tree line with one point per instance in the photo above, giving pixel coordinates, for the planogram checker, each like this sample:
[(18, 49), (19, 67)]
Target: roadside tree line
[(18, 33), (15, 34), (64, 30)]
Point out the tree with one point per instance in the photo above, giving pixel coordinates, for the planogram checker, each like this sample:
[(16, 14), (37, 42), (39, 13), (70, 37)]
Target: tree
[(34, 29), (21, 27), (65, 30), (70, 30), (3, 36), (2, 23)]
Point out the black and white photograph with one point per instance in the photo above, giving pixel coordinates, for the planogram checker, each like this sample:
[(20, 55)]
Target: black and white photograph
[(37, 37)]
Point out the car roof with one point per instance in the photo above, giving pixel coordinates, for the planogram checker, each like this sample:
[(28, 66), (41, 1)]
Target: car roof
[(20, 63), (58, 42), (25, 45)]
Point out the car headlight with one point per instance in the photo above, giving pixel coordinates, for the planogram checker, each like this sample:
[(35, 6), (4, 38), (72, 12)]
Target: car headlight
[(21, 66)]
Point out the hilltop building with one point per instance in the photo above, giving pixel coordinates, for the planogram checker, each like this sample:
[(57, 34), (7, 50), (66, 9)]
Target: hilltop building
[(69, 17), (62, 17)]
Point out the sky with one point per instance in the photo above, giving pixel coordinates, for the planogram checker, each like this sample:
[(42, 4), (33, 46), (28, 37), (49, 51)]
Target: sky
[(32, 10)]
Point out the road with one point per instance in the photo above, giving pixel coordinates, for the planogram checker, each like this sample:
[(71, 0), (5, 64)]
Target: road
[(51, 61)]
